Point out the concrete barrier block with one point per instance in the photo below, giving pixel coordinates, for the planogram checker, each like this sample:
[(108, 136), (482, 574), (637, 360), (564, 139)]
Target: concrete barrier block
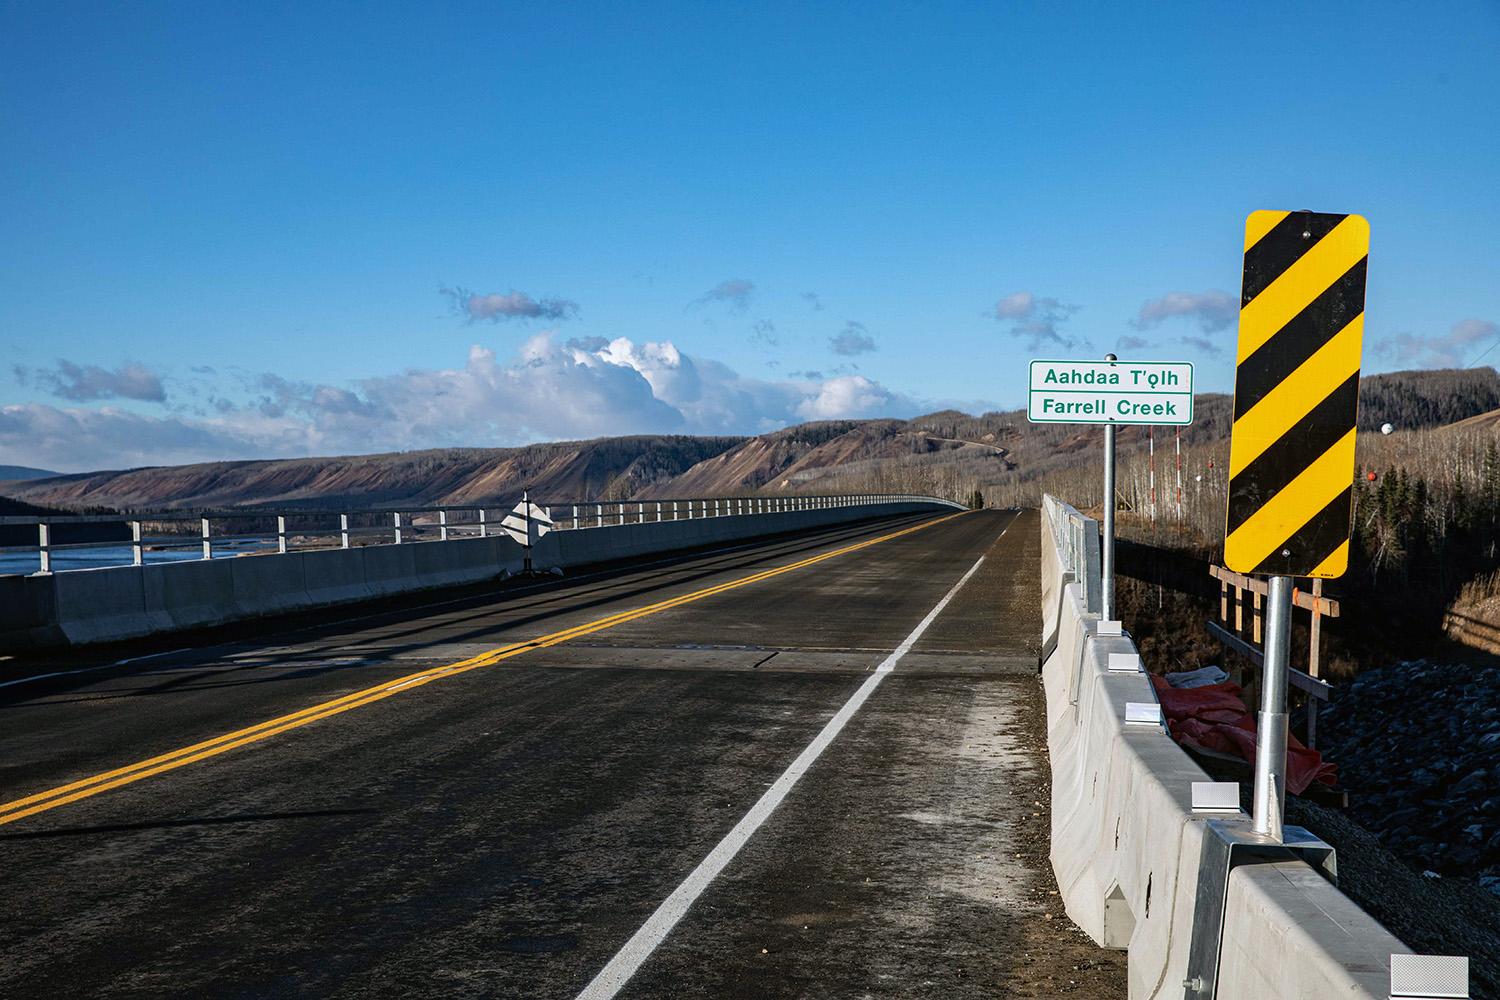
[(97, 605), (28, 612), (1288, 933), (268, 585), (334, 576), (1126, 844), (455, 562), (188, 594), (389, 569)]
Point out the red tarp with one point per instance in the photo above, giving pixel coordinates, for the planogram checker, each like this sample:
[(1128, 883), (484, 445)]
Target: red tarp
[(1214, 717)]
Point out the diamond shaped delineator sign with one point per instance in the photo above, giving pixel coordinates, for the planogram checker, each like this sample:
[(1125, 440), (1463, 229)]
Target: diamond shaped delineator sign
[(527, 515)]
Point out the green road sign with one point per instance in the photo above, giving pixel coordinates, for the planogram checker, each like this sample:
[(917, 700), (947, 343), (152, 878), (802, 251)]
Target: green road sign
[(1110, 392)]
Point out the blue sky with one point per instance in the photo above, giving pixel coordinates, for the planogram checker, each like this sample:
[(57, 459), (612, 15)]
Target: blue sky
[(228, 230)]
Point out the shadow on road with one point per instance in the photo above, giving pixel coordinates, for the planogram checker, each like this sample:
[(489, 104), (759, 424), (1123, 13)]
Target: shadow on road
[(167, 824)]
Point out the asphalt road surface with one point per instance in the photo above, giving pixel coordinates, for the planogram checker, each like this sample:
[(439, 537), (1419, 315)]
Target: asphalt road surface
[(806, 768)]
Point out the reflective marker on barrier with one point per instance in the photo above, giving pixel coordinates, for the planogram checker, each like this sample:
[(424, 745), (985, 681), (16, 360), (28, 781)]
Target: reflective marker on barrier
[(1145, 713), (1124, 663), (1216, 796), (1429, 977), (1109, 628)]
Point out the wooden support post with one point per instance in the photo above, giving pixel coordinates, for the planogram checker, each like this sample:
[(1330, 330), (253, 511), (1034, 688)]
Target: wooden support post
[(1255, 619), (1314, 659)]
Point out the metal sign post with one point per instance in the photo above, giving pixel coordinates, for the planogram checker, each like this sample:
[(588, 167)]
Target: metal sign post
[(1291, 450), (526, 503), (1107, 544), (1270, 756)]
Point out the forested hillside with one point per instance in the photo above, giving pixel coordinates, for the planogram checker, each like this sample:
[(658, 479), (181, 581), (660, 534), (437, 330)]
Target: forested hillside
[(1417, 399)]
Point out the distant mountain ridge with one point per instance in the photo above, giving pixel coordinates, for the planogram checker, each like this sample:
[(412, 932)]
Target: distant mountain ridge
[(24, 472), (947, 453), (606, 467)]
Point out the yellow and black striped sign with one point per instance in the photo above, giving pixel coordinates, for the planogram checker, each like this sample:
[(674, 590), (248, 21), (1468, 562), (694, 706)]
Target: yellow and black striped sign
[(1296, 394)]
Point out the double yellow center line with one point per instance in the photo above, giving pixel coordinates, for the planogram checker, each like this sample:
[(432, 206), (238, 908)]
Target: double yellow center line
[(131, 773)]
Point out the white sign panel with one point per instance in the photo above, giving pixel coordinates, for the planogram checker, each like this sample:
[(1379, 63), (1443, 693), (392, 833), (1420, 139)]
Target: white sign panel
[(1110, 392), (515, 523)]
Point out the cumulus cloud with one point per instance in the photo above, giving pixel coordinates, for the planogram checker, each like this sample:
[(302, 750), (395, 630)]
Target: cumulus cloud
[(1212, 310), (1132, 343), (733, 292), (813, 300), (1203, 344), (1036, 319), (763, 332), (851, 340), (1450, 350), (80, 438), (85, 383), (509, 305), (851, 396), (578, 388)]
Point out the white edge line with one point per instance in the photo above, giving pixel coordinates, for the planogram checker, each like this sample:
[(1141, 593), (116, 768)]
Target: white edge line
[(628, 960)]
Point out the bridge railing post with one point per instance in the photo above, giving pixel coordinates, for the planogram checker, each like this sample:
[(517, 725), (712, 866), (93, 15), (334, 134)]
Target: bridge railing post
[(208, 546), (396, 521), (484, 527), (137, 554), (281, 533), (442, 525), (44, 548), (343, 531)]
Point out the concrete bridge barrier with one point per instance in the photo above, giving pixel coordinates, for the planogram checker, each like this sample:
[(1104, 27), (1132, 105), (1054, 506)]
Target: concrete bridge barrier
[(1128, 848), (123, 602)]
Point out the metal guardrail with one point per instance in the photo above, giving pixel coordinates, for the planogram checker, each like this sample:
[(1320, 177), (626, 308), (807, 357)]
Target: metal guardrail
[(300, 529), (1078, 544)]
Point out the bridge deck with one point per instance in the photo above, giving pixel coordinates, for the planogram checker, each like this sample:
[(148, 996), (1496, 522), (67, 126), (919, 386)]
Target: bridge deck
[(505, 830)]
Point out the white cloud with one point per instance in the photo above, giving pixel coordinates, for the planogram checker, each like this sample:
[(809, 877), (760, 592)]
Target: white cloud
[(1036, 319), (852, 340), (79, 438), (578, 388), (1016, 305), (853, 396), (1213, 310), (84, 383), (733, 292), (509, 305), (1461, 345)]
